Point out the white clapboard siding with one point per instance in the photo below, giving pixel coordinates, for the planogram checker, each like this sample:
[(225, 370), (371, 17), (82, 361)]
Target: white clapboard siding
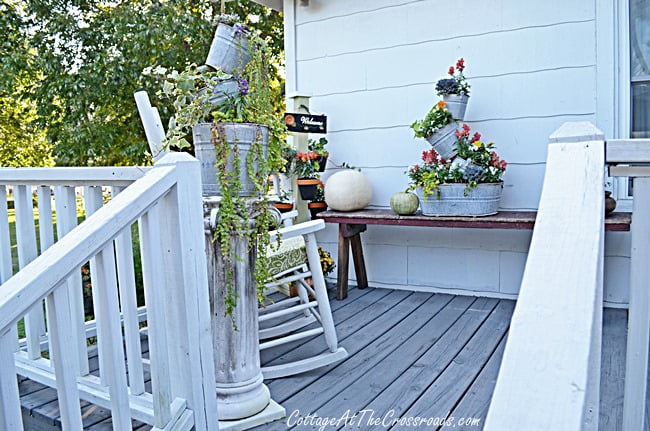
[(27, 252), (10, 411), (404, 65), (129, 306), (552, 357), (66, 219), (499, 97), (374, 27), (154, 283)]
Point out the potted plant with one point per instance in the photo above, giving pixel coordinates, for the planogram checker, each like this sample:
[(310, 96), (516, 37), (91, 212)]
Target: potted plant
[(284, 203), (453, 187), (455, 90), (318, 147), (306, 171), (438, 128), (239, 143), (318, 204)]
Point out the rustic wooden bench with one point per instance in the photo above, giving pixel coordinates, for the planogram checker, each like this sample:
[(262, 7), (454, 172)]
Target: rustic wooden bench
[(352, 224)]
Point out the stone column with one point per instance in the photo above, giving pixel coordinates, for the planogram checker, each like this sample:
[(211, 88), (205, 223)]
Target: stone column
[(240, 389)]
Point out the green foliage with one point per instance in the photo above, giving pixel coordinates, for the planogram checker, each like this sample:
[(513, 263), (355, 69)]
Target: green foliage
[(437, 118), (81, 61), (22, 143)]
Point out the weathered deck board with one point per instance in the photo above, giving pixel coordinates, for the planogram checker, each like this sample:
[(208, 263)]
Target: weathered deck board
[(418, 354), (445, 393), (360, 392), (282, 389), (476, 401), (612, 377)]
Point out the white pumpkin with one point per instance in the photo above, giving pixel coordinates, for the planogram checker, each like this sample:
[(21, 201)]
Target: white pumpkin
[(348, 190)]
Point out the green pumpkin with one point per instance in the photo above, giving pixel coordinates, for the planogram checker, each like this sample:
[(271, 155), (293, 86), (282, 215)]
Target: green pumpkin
[(404, 203)]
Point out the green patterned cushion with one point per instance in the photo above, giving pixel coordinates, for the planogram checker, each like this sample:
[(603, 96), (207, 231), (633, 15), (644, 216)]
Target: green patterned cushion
[(291, 253)]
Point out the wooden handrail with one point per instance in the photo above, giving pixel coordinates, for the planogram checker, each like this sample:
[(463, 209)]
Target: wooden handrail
[(550, 374)]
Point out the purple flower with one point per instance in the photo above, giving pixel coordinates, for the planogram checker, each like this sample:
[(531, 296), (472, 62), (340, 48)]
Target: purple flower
[(243, 86), (239, 29)]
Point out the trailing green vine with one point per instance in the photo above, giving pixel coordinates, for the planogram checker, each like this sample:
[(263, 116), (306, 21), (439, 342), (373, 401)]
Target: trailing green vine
[(192, 92)]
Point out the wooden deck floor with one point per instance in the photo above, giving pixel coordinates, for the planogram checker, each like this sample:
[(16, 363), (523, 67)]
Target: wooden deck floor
[(411, 354)]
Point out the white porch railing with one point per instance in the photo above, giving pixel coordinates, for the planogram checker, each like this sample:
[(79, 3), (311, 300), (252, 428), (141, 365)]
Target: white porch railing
[(550, 373), (166, 203)]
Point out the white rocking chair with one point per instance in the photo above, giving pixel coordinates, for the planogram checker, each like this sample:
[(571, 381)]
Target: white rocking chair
[(298, 239), (311, 305)]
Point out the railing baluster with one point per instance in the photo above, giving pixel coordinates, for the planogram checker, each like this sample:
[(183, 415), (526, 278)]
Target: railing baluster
[(65, 361), (93, 201), (636, 368), (45, 225), (129, 303), (110, 337), (6, 266), (66, 219), (26, 238), (151, 249), (10, 413)]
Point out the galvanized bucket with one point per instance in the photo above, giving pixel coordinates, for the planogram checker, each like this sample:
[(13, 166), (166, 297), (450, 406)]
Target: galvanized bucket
[(456, 105), (458, 200), (221, 91), (229, 49), (240, 134), (443, 141)]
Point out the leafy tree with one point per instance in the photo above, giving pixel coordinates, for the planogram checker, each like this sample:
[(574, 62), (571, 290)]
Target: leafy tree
[(86, 62), (22, 142)]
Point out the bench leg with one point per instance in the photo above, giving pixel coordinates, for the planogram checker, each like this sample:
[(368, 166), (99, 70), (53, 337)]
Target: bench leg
[(359, 263), (344, 259)]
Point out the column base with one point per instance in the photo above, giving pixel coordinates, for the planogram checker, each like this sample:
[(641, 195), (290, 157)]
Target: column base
[(272, 412)]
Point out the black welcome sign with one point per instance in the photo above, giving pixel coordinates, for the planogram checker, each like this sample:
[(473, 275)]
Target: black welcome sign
[(305, 123)]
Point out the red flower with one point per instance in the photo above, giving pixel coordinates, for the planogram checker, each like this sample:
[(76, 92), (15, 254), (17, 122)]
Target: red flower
[(451, 70), (476, 137), (460, 64), (503, 164)]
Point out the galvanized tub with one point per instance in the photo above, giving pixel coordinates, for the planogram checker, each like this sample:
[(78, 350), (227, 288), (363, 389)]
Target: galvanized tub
[(229, 49), (456, 105), (458, 200), (443, 141), (240, 134)]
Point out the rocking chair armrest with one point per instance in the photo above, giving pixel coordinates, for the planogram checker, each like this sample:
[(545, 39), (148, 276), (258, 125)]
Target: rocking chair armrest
[(287, 218), (298, 229)]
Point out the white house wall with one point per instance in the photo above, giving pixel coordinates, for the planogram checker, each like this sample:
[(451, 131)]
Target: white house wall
[(371, 66)]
